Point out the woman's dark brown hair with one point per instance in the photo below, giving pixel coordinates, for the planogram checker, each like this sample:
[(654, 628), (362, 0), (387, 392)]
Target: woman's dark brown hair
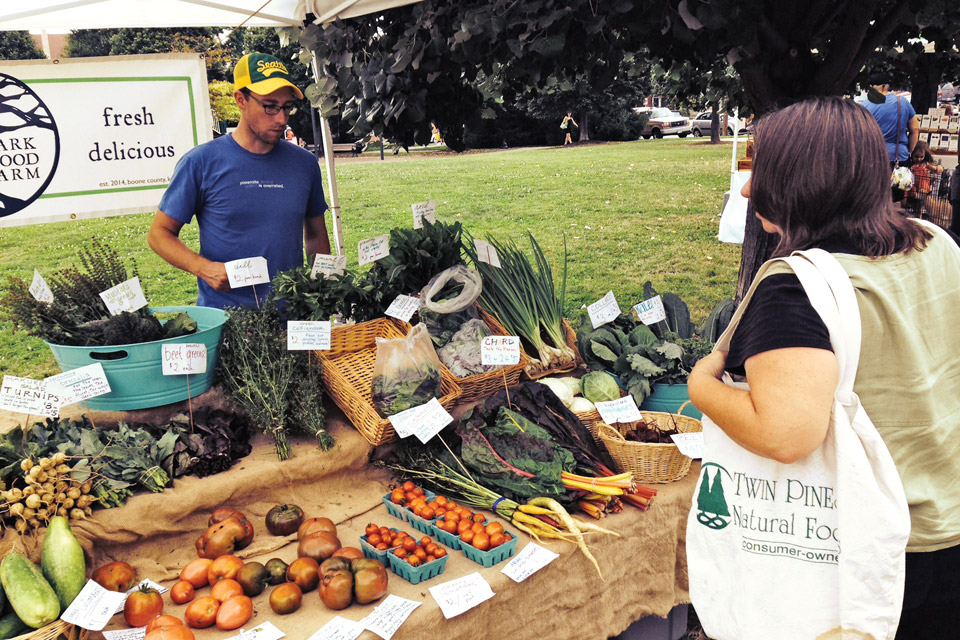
[(821, 170)]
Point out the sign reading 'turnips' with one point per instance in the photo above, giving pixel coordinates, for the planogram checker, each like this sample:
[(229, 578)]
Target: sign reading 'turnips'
[(91, 137)]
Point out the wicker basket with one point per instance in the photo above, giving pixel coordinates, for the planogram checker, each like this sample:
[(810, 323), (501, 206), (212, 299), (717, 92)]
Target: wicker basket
[(592, 420), (57, 630), (649, 462), (571, 338), (348, 374), (486, 384)]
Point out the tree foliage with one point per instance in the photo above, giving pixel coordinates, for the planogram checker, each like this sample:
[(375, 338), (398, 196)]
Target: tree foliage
[(19, 45)]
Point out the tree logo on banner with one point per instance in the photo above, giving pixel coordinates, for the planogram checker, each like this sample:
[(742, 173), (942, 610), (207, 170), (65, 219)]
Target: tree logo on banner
[(29, 145), (712, 511)]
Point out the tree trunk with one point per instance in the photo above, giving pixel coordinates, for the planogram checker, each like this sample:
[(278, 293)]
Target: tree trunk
[(584, 127), (714, 125), (926, 81)]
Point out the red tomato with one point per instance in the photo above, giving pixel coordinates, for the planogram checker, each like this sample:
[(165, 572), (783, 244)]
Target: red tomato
[(439, 553), (409, 544), (481, 541), (115, 576), (408, 486), (348, 552), (234, 612), (497, 539), (371, 529), (182, 592), (226, 589), (286, 598), (202, 612), (414, 561), (224, 568), (163, 621), (173, 632), (195, 572), (141, 606)]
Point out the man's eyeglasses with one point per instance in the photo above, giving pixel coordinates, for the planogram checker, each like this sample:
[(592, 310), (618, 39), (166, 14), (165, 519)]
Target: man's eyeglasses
[(274, 109)]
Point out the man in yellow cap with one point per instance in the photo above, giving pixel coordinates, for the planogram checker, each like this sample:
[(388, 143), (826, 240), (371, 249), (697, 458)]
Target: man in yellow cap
[(252, 197)]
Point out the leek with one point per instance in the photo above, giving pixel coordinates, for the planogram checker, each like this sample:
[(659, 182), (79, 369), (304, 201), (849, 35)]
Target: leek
[(525, 300)]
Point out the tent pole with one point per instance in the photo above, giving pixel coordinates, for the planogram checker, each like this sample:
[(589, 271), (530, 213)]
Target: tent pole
[(733, 160), (331, 171)]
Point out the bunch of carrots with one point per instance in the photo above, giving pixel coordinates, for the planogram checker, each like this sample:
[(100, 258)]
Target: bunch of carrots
[(605, 494)]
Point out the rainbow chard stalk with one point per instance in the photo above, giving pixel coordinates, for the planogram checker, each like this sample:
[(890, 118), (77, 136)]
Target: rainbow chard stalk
[(525, 300)]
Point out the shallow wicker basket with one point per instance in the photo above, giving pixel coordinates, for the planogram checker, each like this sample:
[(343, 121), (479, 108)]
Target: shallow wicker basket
[(347, 374), (571, 338), (486, 384), (649, 462), (57, 630), (591, 420)]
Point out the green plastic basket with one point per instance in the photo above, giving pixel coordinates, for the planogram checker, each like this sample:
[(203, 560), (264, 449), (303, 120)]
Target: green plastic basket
[(135, 371)]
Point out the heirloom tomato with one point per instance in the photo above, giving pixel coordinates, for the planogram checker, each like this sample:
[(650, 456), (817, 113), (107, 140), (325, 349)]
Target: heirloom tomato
[(286, 598), (141, 606), (115, 576), (284, 519)]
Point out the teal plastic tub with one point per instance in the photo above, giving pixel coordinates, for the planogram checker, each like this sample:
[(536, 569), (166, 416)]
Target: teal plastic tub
[(134, 371), (668, 398)]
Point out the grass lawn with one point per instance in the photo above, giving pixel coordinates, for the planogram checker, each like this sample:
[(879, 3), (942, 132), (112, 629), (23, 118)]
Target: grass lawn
[(630, 212)]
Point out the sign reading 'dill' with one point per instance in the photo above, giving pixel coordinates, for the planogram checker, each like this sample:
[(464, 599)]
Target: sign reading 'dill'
[(184, 358), (247, 271)]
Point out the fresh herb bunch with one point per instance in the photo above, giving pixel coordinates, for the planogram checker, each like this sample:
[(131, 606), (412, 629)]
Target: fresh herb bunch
[(278, 389), (306, 298), (78, 316), (211, 443), (416, 255)]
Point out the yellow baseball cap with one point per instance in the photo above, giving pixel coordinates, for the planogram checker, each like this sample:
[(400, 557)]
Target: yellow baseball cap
[(262, 74)]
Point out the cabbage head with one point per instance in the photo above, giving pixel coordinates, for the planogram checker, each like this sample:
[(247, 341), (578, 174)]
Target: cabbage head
[(599, 386)]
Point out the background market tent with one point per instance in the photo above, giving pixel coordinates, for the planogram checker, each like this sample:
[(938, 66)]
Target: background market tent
[(65, 15)]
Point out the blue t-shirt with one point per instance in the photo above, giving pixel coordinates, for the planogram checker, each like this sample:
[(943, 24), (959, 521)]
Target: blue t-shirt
[(246, 205), (886, 116)]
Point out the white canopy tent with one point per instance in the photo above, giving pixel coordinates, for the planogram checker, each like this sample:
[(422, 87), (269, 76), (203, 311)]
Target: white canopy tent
[(66, 15)]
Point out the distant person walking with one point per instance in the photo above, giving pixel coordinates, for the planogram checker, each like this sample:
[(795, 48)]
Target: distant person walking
[(567, 126)]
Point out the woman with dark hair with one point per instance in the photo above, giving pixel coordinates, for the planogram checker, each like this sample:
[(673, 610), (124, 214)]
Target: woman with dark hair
[(821, 179)]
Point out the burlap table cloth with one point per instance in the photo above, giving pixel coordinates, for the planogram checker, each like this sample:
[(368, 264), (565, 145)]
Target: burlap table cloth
[(645, 571)]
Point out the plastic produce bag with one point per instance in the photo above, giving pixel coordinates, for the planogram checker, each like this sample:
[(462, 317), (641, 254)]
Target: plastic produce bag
[(449, 302), (462, 353), (406, 372)]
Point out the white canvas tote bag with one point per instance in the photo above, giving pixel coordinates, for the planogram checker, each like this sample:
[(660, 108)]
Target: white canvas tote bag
[(809, 550)]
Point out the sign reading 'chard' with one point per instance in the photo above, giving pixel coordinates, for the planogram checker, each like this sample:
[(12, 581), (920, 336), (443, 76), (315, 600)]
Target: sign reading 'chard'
[(86, 138)]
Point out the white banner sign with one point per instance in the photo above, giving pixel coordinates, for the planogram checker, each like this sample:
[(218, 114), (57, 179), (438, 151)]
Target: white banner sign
[(183, 358), (93, 137)]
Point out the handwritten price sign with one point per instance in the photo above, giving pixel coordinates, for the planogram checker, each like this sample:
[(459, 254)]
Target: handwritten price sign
[(81, 383), (403, 307), (604, 310), (308, 335), (373, 249), (26, 395), (247, 271), (486, 252), (650, 311), (39, 289), (327, 265), (424, 211), (500, 350), (183, 359), (126, 296)]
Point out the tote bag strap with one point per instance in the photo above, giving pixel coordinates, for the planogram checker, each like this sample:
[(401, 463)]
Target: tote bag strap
[(896, 155), (846, 335)]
